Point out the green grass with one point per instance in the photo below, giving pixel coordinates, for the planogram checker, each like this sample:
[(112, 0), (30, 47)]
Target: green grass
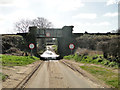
[(55, 47), (106, 75), (3, 76), (93, 59), (11, 60)]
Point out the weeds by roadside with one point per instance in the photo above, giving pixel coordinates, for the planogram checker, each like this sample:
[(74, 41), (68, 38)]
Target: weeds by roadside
[(106, 75), (95, 59), (3, 76)]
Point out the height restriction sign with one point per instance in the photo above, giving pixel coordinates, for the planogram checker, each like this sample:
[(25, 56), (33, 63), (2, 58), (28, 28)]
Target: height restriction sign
[(31, 46), (47, 34), (71, 46)]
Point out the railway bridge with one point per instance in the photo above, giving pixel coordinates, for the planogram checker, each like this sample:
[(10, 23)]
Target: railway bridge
[(62, 37)]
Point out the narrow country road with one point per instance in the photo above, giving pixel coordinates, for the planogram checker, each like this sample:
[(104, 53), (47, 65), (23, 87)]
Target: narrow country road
[(54, 74)]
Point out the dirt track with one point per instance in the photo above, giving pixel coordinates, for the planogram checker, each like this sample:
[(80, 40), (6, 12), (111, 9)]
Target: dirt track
[(54, 74)]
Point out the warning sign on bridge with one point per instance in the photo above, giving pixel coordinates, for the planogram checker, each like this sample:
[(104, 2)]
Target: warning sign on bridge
[(31, 46), (47, 34), (71, 46)]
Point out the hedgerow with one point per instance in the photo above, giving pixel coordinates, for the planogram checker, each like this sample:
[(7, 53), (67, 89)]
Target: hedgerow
[(95, 59)]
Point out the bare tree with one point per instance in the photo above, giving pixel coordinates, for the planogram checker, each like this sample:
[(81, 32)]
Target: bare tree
[(23, 25), (41, 23)]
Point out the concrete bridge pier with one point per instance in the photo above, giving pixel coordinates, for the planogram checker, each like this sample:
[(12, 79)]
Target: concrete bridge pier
[(64, 41)]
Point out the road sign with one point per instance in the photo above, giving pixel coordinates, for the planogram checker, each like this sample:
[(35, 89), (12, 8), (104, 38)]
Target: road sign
[(31, 46), (71, 46), (47, 34)]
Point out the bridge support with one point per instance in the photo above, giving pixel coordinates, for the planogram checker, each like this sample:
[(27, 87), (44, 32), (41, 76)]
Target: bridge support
[(65, 40)]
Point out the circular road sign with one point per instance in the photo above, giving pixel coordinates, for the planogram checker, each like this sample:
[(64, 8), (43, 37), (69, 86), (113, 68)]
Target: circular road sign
[(47, 34), (31, 46), (71, 46)]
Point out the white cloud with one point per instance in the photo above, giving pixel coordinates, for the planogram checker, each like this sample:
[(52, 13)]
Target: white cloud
[(6, 1), (100, 24), (7, 21), (85, 16), (20, 14), (110, 2), (56, 11), (93, 24), (14, 3), (2, 17), (63, 5), (91, 27), (111, 14), (68, 5)]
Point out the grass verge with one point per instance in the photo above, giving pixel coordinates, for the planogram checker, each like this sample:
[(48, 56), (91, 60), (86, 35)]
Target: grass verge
[(3, 77), (11, 60), (93, 59), (106, 75)]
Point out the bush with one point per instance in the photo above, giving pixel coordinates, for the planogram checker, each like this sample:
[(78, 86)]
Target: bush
[(108, 44), (77, 57), (69, 57), (112, 64), (99, 60), (96, 59), (10, 43), (106, 62)]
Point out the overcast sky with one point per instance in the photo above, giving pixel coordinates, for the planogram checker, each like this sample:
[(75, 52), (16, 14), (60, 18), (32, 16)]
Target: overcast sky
[(85, 15)]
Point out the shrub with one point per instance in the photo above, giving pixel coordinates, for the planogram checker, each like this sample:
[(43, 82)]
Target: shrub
[(11, 43), (68, 57), (77, 57), (105, 62), (97, 59), (94, 58), (112, 64)]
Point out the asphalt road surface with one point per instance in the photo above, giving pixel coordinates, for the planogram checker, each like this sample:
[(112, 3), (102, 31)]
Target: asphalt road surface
[(54, 74)]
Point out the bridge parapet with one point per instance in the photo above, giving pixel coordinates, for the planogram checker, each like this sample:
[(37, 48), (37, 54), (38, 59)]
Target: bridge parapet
[(53, 33)]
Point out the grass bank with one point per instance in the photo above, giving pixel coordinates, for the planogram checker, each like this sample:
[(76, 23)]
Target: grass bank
[(108, 76), (93, 59), (11, 60)]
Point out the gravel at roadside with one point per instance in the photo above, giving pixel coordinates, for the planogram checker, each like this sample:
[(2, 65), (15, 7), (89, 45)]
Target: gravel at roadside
[(16, 74)]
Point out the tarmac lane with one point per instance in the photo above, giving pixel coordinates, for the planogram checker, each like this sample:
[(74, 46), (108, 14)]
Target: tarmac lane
[(40, 79), (54, 74)]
